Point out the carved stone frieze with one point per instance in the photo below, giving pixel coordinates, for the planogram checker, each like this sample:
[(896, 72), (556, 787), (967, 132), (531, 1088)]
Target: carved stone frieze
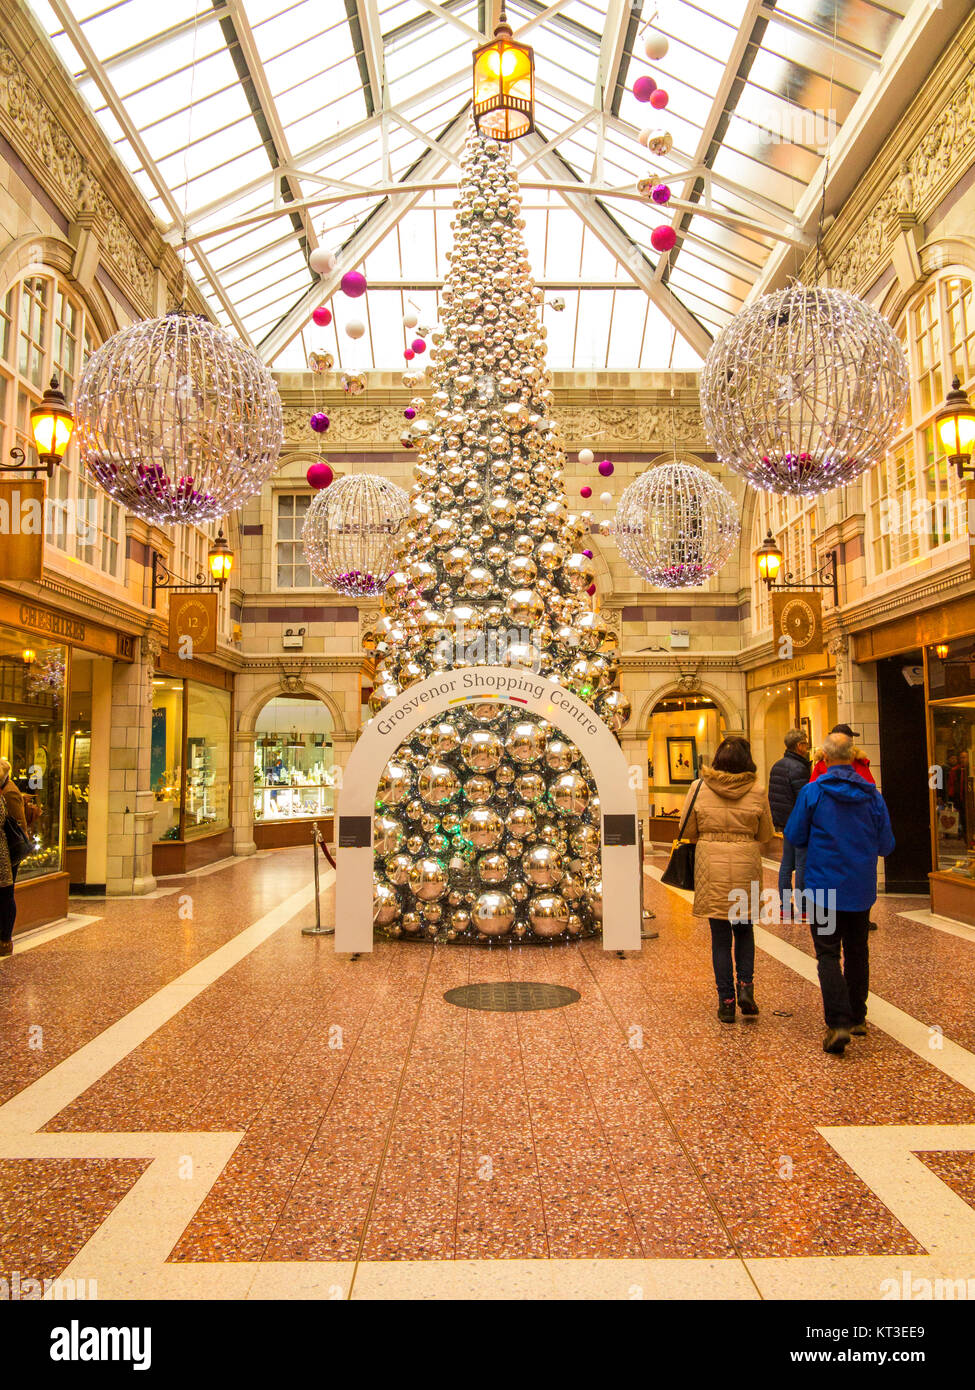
[(942, 154), (26, 116)]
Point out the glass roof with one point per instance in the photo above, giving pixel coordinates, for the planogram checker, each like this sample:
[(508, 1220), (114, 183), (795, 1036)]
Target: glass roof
[(262, 129)]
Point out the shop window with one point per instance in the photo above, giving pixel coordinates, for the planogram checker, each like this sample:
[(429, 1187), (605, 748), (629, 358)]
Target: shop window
[(293, 760), (53, 335), (808, 704), (33, 682), (951, 687), (290, 567), (189, 762), (915, 502)]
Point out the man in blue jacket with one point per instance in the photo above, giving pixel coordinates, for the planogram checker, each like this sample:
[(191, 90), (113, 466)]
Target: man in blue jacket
[(843, 822)]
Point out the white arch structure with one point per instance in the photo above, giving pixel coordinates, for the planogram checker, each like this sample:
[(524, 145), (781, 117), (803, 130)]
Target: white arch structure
[(521, 690)]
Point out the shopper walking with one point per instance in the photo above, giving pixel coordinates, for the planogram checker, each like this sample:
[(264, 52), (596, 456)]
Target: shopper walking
[(728, 815), (843, 822), (13, 797), (785, 781), (8, 903), (860, 763)]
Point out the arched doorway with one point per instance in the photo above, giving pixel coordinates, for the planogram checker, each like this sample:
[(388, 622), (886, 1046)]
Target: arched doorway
[(294, 770), (684, 731)]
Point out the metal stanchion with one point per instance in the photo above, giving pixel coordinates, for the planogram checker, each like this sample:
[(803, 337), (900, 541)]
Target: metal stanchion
[(317, 929), (645, 914)]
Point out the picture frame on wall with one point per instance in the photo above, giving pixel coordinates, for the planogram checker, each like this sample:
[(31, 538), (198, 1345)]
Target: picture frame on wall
[(682, 759)]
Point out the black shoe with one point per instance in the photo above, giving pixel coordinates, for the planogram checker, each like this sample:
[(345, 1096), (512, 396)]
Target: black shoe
[(726, 1010), (859, 1030), (6, 948), (836, 1040), (746, 1000), (871, 926)]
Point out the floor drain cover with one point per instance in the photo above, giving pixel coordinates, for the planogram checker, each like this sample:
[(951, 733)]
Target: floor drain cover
[(511, 996)]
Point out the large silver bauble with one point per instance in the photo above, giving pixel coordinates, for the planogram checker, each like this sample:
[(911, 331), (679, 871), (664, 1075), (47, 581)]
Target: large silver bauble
[(493, 913), (482, 826), (437, 784), (615, 709), (398, 868), (481, 750), (525, 742), (569, 793), (584, 839), (594, 897), (530, 786), (394, 785), (560, 755), (428, 880), (520, 822), (542, 865), (548, 914), (479, 790)]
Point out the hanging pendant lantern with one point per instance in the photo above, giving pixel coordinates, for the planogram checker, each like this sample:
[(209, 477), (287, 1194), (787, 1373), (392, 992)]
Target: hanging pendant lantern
[(955, 423), (504, 86), (676, 525), (177, 420), (804, 390), (349, 533)]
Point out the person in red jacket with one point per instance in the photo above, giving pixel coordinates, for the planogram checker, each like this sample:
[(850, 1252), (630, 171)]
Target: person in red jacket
[(861, 763)]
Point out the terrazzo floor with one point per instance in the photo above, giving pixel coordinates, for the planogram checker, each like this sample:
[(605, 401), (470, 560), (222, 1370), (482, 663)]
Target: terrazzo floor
[(199, 1099)]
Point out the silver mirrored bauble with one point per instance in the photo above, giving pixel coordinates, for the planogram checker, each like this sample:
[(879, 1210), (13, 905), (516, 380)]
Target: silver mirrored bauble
[(387, 835), (398, 868), (525, 742), (482, 826), (542, 865), (493, 913), (385, 904), (481, 750), (492, 868), (395, 784), (438, 783), (569, 794)]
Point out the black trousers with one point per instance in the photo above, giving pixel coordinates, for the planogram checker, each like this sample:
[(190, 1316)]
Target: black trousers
[(723, 933), (8, 912), (844, 988)]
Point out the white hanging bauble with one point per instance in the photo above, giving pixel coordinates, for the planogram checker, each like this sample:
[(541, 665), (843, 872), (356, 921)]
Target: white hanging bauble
[(676, 525), (586, 457), (350, 530), (177, 420), (410, 319), (655, 46), (322, 262), (804, 390), (355, 328)]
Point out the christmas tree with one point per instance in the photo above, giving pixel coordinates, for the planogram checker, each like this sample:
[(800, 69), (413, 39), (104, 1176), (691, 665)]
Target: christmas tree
[(488, 821)]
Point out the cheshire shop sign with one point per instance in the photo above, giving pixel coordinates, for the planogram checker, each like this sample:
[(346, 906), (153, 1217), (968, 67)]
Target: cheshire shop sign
[(620, 858), (539, 696)]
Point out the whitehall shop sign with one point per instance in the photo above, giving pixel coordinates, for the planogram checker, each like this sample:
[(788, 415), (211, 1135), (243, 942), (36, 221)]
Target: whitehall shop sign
[(621, 867)]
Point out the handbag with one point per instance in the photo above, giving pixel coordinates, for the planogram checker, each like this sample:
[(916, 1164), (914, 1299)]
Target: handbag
[(679, 872), (18, 844)]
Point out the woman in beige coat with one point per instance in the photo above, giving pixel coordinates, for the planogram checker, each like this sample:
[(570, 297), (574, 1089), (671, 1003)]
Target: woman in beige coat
[(731, 823)]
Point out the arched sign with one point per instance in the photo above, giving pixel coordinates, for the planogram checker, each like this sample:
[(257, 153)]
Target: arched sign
[(379, 740)]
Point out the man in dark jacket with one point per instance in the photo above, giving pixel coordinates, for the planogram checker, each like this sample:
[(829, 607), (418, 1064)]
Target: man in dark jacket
[(843, 822), (786, 780)]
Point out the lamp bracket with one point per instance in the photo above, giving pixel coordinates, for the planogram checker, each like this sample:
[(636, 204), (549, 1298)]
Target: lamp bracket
[(164, 578), (828, 579)]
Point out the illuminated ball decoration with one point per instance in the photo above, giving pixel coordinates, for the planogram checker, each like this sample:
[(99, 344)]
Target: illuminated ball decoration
[(644, 88), (663, 239), (350, 531), (322, 316), (319, 475), (177, 420), (676, 525), (353, 284), (804, 390)]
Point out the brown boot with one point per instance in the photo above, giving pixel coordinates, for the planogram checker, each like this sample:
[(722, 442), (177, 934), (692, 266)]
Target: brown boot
[(6, 948)]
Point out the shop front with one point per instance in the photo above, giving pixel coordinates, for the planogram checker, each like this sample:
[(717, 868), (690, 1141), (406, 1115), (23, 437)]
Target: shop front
[(685, 730), (47, 660), (190, 764), (931, 659), (294, 771), (784, 695)]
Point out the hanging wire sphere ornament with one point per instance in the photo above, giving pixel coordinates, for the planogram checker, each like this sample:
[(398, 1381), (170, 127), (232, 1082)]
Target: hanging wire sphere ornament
[(676, 525), (349, 533), (177, 420), (803, 391)]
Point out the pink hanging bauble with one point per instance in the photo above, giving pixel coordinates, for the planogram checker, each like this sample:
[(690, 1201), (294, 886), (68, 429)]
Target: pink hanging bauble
[(418, 345), (585, 492), (322, 316), (659, 99), (644, 88), (591, 590), (319, 475), (319, 422), (410, 413), (605, 469), (663, 238), (660, 193), (409, 354), (353, 283)]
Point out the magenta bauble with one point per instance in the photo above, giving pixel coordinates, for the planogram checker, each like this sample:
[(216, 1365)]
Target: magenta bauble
[(660, 193), (319, 475), (409, 354), (322, 316), (644, 88), (353, 283), (418, 345), (588, 554), (319, 422), (605, 469), (410, 413), (659, 99), (663, 238), (585, 492), (591, 590)]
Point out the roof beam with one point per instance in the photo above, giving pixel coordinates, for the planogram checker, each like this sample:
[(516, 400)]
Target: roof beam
[(368, 235), (367, 42), (865, 56), (611, 52), (114, 103), (627, 253)]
